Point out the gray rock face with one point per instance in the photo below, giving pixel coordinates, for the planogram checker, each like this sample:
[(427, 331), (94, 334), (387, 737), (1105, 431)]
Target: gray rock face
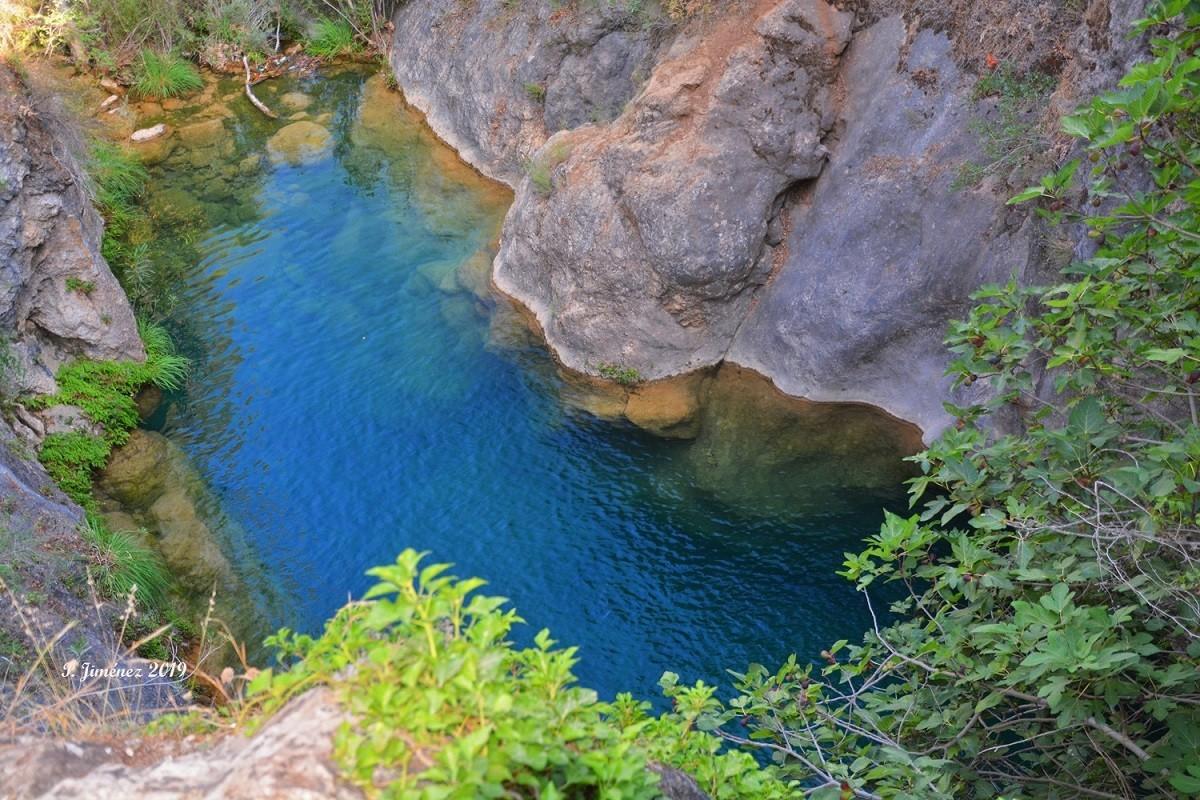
[(777, 194), (49, 232), (646, 247), (885, 251), (494, 81)]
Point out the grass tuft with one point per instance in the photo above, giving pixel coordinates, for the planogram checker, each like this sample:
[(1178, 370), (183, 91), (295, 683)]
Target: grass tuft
[(119, 563), (331, 38), (165, 75)]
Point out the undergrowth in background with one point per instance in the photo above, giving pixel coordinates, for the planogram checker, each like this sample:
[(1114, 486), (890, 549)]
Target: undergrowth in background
[(115, 35), (163, 75), (446, 707)]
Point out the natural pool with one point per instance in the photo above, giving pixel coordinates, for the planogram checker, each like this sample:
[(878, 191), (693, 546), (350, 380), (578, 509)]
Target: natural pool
[(357, 390)]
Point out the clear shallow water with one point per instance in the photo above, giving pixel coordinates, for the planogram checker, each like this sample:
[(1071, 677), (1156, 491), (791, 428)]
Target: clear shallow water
[(353, 396)]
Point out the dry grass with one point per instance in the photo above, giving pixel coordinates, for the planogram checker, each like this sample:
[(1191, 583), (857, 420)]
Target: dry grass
[(83, 679)]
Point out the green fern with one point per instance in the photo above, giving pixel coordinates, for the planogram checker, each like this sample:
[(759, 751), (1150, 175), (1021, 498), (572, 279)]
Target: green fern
[(70, 459)]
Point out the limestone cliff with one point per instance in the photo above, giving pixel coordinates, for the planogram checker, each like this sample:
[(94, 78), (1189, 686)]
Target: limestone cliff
[(777, 188), (50, 234)]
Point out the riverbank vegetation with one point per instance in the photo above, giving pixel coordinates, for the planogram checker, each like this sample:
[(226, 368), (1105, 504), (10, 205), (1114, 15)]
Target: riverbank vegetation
[(446, 706)]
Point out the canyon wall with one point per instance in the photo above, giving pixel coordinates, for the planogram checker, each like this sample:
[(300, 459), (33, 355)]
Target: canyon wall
[(776, 184)]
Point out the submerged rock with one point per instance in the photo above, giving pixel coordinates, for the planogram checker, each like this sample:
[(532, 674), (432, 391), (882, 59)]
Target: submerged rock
[(751, 432), (299, 142), (154, 481), (295, 101), (156, 150), (250, 165), (202, 134), (136, 473), (669, 407)]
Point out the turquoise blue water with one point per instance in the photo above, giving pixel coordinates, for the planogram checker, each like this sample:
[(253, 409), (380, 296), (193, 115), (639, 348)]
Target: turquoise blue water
[(351, 397)]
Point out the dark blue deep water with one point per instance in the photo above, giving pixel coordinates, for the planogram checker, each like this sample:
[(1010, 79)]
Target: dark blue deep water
[(353, 396)]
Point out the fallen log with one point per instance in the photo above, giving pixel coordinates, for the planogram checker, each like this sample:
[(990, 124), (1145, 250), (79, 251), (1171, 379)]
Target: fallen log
[(250, 92)]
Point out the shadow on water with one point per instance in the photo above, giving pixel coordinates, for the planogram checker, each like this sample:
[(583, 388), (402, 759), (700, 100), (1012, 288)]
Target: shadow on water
[(358, 389)]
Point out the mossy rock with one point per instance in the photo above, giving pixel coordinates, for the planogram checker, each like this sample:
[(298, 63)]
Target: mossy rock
[(136, 474)]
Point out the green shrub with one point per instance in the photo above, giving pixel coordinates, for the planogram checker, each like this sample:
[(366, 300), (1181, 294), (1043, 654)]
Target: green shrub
[(445, 706), (165, 75), (1013, 134), (120, 563), (230, 28), (331, 38), (115, 30), (1048, 635)]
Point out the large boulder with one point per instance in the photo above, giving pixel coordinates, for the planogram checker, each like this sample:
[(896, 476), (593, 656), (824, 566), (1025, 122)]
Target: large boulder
[(885, 250), (641, 243)]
